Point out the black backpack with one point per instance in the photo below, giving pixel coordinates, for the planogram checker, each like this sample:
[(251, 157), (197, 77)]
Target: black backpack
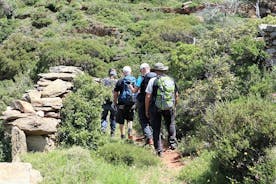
[(141, 96)]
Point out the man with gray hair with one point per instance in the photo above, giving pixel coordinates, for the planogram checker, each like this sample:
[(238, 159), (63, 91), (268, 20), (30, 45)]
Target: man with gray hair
[(124, 99), (140, 86)]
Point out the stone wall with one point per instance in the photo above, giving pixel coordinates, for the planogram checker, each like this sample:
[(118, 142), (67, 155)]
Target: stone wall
[(32, 121), (269, 34)]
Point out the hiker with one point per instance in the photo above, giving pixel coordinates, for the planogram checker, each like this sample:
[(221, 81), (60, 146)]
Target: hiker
[(140, 86), (124, 100), (107, 108), (160, 101)]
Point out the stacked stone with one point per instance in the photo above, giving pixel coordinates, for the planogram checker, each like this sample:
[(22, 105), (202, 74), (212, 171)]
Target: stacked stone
[(32, 121), (269, 34)]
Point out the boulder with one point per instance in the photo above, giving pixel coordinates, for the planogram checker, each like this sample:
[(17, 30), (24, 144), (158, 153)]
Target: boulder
[(15, 173), (65, 69), (10, 115), (39, 143), (43, 82), (19, 146), (54, 76), (56, 88), (33, 96), (35, 125), (55, 102), (52, 114), (23, 106)]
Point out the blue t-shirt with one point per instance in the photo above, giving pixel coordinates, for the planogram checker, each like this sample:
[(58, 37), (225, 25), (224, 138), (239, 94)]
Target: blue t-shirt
[(139, 81)]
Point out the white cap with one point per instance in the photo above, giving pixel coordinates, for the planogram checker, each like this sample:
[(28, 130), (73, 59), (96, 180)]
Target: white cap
[(144, 65), (127, 70)]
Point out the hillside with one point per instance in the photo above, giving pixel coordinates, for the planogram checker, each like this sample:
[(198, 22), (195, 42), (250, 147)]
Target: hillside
[(221, 60)]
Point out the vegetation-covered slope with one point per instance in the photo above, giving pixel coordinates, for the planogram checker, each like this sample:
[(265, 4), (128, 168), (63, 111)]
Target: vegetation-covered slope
[(213, 55)]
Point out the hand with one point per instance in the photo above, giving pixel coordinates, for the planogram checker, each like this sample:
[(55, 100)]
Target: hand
[(114, 106)]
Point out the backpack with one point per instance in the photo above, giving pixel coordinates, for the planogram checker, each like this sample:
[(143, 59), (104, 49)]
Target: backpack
[(142, 93), (126, 96), (165, 93)]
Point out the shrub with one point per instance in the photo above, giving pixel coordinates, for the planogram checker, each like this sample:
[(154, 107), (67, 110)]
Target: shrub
[(81, 114), (202, 170), (7, 26), (17, 55), (5, 145), (41, 18), (86, 53), (241, 131), (191, 145), (78, 165), (131, 155)]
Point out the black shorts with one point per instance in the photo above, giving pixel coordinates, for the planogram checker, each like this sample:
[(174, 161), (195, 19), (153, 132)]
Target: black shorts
[(125, 112)]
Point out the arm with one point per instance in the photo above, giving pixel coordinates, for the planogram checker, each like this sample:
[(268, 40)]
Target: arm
[(147, 103), (115, 97), (176, 98), (133, 89)]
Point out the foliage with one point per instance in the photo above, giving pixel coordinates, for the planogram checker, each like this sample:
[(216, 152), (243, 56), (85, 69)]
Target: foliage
[(118, 153), (40, 18), (241, 131), (7, 26), (78, 165), (86, 53), (5, 145), (81, 114), (202, 170), (18, 55), (191, 145)]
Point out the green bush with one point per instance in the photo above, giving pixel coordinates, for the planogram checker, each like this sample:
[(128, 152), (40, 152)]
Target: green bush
[(81, 114), (91, 55), (78, 165), (202, 170), (41, 18), (191, 145), (131, 155), (5, 145), (7, 26), (241, 131), (18, 55)]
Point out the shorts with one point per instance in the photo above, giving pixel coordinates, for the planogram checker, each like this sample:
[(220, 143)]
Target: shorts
[(125, 112)]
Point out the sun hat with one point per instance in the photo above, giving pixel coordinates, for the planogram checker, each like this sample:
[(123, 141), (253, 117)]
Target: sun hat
[(160, 67), (144, 65)]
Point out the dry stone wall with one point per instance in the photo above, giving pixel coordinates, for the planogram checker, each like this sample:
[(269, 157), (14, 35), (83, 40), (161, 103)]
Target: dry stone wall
[(269, 34), (32, 121)]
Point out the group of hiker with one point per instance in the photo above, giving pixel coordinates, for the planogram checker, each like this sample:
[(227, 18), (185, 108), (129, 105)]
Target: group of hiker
[(154, 94)]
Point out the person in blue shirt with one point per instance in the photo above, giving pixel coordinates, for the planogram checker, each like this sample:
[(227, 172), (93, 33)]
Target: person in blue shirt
[(140, 85)]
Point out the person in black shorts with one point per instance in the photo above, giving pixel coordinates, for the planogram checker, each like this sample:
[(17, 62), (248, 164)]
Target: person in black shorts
[(124, 100)]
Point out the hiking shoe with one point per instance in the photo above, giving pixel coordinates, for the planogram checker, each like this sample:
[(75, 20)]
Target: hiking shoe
[(172, 147), (130, 137), (150, 141), (112, 134), (159, 153), (123, 137)]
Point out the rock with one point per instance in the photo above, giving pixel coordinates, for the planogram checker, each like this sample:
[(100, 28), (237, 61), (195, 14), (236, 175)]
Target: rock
[(35, 125), (19, 146), (43, 82), (44, 109), (54, 76), (9, 115), (39, 143), (33, 96), (273, 35), (55, 102), (40, 113), (15, 173), (56, 88), (65, 69), (52, 115), (23, 106)]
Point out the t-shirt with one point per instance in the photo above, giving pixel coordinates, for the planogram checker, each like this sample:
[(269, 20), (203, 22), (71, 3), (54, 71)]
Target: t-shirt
[(139, 81)]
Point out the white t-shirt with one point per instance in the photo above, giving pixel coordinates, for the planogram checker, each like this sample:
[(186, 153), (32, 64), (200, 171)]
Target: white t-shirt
[(149, 88)]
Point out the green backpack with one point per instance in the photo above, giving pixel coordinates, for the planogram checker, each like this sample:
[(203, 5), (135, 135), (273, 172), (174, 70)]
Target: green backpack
[(165, 94)]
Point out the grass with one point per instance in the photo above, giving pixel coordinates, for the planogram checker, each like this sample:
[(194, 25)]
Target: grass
[(78, 165)]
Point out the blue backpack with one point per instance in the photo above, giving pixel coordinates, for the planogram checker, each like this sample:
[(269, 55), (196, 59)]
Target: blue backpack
[(126, 96)]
